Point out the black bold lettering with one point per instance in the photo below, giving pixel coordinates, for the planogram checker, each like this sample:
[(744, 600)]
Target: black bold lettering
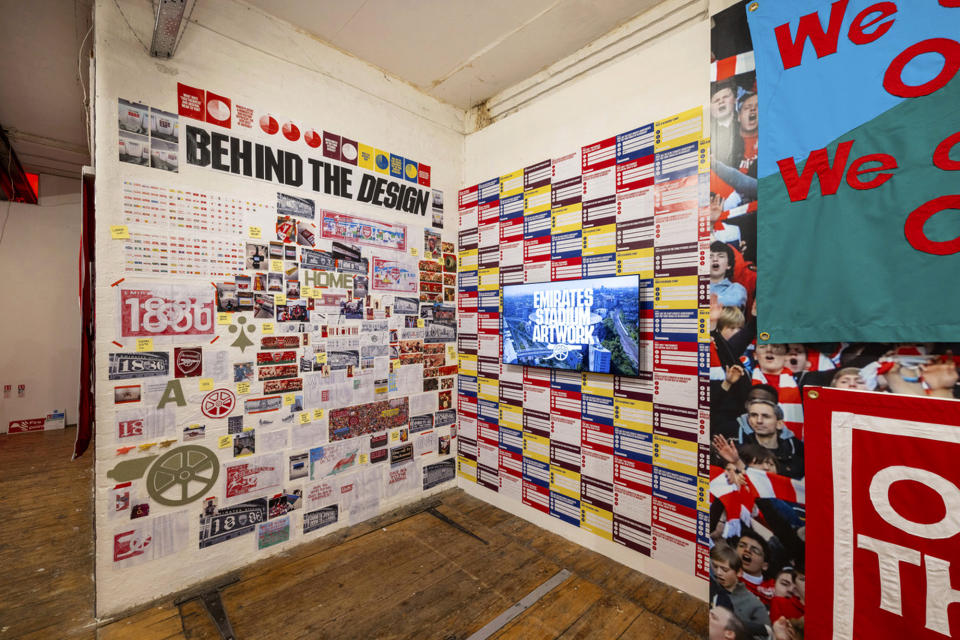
[(273, 164), (240, 152), (378, 192), (292, 169), (198, 143), (331, 179), (315, 165), (365, 193), (218, 149), (391, 200)]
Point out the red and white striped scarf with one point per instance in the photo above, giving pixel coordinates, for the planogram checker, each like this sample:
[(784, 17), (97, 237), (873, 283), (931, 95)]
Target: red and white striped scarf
[(717, 371), (789, 394), (819, 362), (739, 503)]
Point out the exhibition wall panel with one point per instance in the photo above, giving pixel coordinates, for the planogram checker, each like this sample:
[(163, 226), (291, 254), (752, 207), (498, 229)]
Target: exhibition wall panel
[(275, 296), (599, 177)]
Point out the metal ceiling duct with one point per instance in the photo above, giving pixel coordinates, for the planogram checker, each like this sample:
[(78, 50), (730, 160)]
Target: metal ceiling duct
[(167, 27)]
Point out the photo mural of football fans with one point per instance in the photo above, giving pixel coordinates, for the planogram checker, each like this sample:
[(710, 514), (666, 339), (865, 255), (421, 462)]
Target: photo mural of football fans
[(758, 461)]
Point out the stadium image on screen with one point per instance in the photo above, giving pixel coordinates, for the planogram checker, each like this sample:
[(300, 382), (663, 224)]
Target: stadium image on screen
[(581, 325)]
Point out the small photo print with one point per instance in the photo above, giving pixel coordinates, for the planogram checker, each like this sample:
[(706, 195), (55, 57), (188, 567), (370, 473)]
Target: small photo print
[(256, 255), (275, 282), (126, 393), (134, 149), (227, 297), (164, 126), (243, 372), (132, 117), (288, 205), (244, 444), (194, 432), (163, 155), (263, 306)]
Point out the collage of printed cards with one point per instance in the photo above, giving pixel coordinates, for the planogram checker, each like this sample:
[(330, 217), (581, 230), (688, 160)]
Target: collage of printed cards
[(605, 247), (278, 369)]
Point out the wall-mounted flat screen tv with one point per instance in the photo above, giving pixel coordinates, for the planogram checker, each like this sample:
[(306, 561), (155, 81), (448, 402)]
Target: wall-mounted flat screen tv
[(579, 325)]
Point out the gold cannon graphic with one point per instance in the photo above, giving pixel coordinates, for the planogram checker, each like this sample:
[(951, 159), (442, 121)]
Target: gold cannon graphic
[(175, 478)]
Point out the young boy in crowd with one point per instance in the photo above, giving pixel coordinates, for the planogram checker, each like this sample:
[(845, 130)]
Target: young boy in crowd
[(849, 378), (729, 293), (753, 552), (728, 323), (727, 570)]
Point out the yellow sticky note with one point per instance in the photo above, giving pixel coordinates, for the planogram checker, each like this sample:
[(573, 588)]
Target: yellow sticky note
[(322, 358), (317, 414), (395, 436), (224, 441), (223, 318), (144, 344), (280, 299), (420, 322), (243, 387), (266, 327), (414, 251), (306, 292), (206, 384), (119, 232), (364, 458), (451, 352), (304, 418), (276, 265), (289, 399), (256, 232)]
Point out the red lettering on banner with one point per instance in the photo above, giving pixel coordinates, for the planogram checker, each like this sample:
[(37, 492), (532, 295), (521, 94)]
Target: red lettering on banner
[(824, 42), (913, 228), (886, 161), (818, 163), (941, 155), (893, 78), (950, 3), (858, 33)]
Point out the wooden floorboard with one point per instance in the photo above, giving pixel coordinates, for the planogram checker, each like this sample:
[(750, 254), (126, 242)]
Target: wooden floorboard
[(405, 575), (46, 577)]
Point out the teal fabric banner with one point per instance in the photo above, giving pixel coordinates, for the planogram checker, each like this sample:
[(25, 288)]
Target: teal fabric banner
[(859, 190)]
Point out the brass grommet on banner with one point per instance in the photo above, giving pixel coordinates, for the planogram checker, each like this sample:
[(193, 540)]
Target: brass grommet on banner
[(764, 336), (813, 394), (753, 6)]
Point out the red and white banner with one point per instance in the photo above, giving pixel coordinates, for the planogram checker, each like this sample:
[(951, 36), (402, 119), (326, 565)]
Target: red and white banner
[(883, 516), (153, 310)]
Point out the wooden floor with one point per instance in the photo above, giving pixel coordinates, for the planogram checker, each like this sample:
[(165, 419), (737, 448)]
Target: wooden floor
[(46, 537), (408, 574)]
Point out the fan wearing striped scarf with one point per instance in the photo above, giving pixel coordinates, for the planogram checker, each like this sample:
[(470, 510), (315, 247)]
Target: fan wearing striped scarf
[(766, 420), (771, 369)]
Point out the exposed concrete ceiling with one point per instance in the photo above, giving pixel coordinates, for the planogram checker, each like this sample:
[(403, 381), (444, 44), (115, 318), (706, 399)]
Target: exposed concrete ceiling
[(459, 51), (41, 103)]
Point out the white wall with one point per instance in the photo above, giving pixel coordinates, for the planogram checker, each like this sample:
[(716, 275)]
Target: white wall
[(236, 51), (653, 82), (39, 346)]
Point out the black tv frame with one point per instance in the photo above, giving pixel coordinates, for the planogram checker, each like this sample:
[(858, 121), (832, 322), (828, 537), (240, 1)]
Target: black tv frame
[(505, 287)]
